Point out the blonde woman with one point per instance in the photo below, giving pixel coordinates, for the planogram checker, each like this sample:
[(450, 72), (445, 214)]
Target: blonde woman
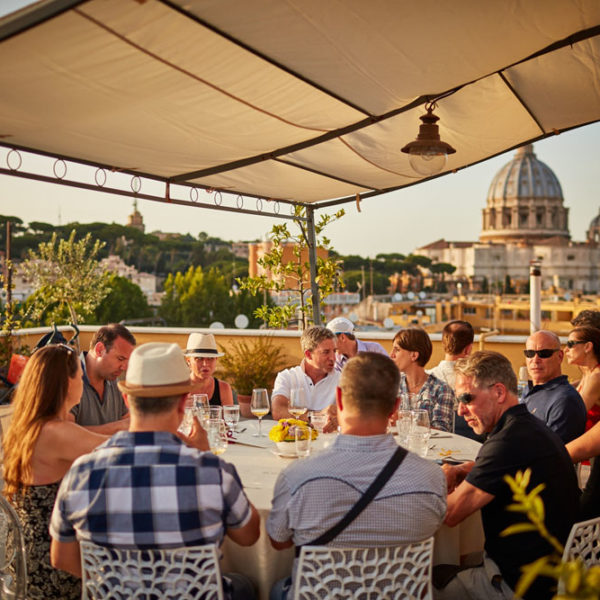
[(201, 354), (39, 447)]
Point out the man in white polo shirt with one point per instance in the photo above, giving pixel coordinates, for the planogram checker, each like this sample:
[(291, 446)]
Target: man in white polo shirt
[(347, 345), (315, 374)]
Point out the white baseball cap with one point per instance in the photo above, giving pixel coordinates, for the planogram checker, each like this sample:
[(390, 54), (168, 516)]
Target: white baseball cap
[(340, 325)]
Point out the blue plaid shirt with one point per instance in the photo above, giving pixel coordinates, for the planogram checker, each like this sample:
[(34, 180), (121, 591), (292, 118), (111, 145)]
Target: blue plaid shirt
[(148, 490), (437, 398)]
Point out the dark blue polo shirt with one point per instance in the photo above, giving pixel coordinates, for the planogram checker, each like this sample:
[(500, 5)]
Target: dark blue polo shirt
[(560, 406), (518, 442)]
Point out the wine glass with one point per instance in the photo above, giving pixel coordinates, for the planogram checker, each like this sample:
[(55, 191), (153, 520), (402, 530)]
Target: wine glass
[(259, 407), (297, 401), (231, 416)]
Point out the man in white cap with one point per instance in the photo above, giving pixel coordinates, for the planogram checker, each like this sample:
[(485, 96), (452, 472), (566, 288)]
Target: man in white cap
[(347, 344), (144, 488)]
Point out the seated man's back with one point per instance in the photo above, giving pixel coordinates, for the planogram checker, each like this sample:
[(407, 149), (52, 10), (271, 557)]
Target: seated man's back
[(147, 489), (313, 495)]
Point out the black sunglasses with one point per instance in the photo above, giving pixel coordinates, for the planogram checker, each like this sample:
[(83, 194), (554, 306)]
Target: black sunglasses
[(544, 353), (571, 343), (467, 398)]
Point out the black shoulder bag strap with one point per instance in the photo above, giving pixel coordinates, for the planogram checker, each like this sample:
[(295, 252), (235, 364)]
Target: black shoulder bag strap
[(381, 479)]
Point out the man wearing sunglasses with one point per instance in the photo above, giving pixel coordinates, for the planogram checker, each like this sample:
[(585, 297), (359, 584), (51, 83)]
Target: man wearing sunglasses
[(486, 389), (552, 398)]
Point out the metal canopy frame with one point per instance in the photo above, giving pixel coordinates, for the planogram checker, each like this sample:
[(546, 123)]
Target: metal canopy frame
[(181, 189)]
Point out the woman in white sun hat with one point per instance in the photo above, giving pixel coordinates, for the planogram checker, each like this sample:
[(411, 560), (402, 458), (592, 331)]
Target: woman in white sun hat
[(201, 354)]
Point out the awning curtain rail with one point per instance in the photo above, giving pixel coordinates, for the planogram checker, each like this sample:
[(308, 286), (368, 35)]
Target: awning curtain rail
[(298, 100)]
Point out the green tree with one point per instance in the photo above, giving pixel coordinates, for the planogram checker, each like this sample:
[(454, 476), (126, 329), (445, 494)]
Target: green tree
[(125, 300), (295, 270), (196, 298), (66, 274)]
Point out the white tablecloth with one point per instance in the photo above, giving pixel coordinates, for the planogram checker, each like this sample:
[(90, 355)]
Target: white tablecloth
[(259, 468)]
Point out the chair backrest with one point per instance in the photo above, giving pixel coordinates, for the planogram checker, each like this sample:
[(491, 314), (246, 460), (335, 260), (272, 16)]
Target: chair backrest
[(584, 542), (391, 572), (171, 573), (13, 563)]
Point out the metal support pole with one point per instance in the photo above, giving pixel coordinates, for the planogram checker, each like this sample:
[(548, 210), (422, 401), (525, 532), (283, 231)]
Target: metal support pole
[(312, 257), (535, 296)]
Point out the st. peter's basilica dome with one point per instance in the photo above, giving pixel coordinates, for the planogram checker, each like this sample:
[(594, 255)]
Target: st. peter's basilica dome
[(524, 203)]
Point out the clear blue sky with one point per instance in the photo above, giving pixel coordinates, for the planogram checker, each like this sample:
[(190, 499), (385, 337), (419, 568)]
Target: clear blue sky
[(449, 207)]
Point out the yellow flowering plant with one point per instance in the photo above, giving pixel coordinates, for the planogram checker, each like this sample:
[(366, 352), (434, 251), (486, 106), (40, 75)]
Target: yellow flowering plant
[(284, 430), (576, 580)]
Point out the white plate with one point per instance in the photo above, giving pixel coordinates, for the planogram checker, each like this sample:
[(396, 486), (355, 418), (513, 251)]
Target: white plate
[(282, 455)]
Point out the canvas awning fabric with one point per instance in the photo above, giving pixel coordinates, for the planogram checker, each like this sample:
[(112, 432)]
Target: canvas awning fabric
[(303, 100)]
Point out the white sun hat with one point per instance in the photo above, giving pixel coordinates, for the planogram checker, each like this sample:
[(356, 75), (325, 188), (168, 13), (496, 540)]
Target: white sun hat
[(202, 345), (157, 369)]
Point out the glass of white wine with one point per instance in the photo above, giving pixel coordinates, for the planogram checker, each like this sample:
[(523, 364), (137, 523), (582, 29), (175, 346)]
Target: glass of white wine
[(259, 407), (297, 402)]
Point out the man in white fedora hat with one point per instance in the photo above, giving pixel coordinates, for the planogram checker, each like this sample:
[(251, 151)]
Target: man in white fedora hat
[(347, 346), (201, 354), (145, 487)]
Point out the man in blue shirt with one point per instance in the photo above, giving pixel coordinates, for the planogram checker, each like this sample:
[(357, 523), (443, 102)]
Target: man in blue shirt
[(552, 398)]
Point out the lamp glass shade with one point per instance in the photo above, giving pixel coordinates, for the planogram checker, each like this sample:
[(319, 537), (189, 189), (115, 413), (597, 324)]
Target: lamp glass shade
[(427, 162)]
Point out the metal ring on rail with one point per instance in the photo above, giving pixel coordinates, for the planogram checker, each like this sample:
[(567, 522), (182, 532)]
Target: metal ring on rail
[(218, 198), (239, 201), (136, 184), (16, 153), (259, 204), (276, 207), (100, 175), (57, 162), (194, 194)]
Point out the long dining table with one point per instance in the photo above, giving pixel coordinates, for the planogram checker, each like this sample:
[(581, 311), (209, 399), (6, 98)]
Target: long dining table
[(258, 464)]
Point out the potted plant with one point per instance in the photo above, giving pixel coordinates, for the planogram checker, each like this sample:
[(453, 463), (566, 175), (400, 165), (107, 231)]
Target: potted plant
[(250, 364)]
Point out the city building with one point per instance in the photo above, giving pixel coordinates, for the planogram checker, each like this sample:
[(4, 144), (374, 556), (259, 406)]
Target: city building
[(256, 250), (524, 219), (135, 219)]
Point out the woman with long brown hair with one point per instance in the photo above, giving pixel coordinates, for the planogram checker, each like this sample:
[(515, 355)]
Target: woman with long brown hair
[(39, 447), (583, 350)]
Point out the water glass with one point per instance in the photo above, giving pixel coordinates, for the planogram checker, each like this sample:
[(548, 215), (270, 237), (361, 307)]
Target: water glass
[(409, 401), (200, 400), (420, 432), (231, 416), (302, 438), (217, 436), (187, 421), (404, 426), (215, 412), (297, 405), (259, 407), (318, 420)]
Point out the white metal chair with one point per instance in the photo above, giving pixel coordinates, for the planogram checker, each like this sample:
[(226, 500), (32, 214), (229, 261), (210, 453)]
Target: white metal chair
[(186, 573), (383, 573), (13, 563), (584, 542)]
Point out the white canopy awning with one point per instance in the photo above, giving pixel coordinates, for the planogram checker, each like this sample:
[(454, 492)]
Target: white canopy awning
[(301, 100)]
